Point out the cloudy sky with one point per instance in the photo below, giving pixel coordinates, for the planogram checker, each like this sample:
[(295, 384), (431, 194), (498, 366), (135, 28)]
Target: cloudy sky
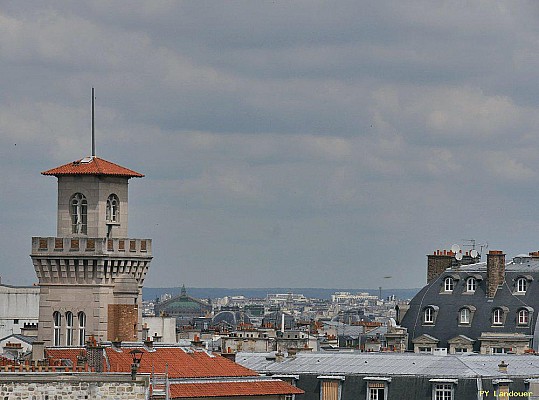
[(297, 144)]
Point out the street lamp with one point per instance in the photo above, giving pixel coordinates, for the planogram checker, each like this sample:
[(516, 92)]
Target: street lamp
[(137, 356)]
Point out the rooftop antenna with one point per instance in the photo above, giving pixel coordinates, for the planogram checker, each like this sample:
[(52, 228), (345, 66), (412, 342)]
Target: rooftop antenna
[(93, 125)]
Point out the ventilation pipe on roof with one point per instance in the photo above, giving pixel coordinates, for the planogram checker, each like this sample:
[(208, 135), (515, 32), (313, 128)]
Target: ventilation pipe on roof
[(502, 367)]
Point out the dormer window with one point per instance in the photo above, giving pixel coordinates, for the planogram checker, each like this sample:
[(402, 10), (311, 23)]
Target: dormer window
[(464, 315), (523, 317), (429, 314), (113, 208), (497, 316), (471, 284), (449, 284), (79, 214), (522, 285)]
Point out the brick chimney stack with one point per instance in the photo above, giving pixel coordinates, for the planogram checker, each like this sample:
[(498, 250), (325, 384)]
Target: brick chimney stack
[(495, 271), (437, 263)]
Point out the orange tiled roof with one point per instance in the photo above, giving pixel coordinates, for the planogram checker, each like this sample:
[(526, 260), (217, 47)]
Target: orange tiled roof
[(195, 364), (231, 389), (92, 166), (65, 353), (57, 354)]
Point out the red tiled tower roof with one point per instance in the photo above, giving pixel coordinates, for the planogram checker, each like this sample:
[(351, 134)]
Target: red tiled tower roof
[(92, 166)]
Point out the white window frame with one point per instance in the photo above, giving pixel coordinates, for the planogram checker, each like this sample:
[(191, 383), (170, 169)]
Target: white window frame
[(471, 284), (81, 317), (522, 285), (373, 393), (428, 315), (113, 208), (464, 316), (69, 328), (523, 317), (79, 214), (449, 284), (443, 391), (497, 316), (57, 326)]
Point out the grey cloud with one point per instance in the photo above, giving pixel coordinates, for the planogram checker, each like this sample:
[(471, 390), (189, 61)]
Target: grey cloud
[(278, 138)]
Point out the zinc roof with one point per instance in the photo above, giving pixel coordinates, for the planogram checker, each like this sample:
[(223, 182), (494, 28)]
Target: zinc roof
[(92, 166), (389, 364)]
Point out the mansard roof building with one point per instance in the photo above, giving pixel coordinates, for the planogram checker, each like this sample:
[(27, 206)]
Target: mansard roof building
[(482, 306)]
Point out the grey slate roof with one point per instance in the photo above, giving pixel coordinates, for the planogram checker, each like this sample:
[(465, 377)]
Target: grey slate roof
[(447, 325), (26, 339), (392, 364)]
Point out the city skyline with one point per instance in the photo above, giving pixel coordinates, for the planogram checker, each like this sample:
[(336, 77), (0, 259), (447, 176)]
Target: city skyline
[(301, 144)]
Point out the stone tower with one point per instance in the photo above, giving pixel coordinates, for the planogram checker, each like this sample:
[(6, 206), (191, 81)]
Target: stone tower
[(91, 274)]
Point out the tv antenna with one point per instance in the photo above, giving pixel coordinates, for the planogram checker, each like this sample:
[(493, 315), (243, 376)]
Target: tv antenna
[(93, 124), (472, 243)]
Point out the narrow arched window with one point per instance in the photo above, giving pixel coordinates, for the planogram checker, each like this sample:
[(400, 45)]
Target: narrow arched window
[(113, 208), (69, 328), (79, 214), (523, 317), (464, 315), (471, 284), (522, 285), (57, 321), (497, 316), (448, 284), (82, 328)]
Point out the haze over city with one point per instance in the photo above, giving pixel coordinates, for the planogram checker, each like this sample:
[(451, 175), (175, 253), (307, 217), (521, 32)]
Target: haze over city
[(285, 144)]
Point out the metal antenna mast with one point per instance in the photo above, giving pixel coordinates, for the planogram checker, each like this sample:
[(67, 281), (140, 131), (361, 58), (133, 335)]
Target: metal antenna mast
[(93, 125)]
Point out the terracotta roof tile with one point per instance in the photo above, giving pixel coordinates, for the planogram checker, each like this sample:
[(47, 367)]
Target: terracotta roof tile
[(92, 166), (231, 389), (71, 354), (196, 364)]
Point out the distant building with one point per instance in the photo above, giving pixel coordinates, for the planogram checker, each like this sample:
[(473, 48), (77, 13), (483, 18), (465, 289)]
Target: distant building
[(19, 306), (488, 307), (335, 375), (183, 307)]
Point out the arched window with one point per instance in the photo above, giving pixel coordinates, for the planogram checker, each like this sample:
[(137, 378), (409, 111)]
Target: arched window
[(522, 285), (464, 315), (82, 328), (497, 316), (471, 284), (69, 328), (113, 208), (79, 214), (428, 316), (57, 320), (448, 284), (523, 317)]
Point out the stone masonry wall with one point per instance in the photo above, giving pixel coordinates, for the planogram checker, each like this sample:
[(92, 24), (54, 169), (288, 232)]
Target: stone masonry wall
[(53, 386)]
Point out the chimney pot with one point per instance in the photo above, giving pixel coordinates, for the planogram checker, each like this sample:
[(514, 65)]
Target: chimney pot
[(502, 367)]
